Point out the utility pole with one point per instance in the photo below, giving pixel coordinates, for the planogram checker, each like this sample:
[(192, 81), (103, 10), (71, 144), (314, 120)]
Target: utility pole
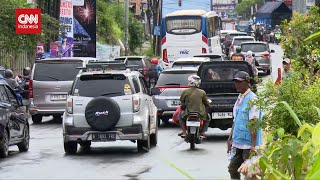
[(127, 29)]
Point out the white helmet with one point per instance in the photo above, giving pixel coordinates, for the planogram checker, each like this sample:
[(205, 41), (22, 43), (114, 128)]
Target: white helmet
[(249, 53), (258, 24), (194, 81)]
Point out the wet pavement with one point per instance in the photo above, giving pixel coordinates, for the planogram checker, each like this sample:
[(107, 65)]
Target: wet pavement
[(170, 159)]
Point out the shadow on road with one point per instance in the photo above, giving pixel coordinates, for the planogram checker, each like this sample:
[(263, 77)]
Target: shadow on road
[(48, 120)]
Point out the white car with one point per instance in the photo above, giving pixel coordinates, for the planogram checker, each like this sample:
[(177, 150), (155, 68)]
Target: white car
[(236, 42), (109, 105), (189, 62)]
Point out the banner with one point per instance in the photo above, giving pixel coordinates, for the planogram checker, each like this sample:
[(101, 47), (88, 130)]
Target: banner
[(84, 29), (66, 28)]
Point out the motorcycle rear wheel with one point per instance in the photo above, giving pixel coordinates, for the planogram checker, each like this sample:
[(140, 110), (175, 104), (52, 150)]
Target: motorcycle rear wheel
[(192, 141)]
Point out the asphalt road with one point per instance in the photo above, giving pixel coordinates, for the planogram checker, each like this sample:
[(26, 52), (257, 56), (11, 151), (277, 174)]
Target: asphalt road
[(170, 159)]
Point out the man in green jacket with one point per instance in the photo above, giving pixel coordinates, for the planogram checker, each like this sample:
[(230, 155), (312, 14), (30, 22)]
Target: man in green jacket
[(195, 100)]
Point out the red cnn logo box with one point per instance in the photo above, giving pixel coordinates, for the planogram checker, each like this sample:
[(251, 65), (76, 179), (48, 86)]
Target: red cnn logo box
[(28, 21)]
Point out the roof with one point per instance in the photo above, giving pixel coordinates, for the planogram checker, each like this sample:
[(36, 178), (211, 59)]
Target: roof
[(227, 31), (193, 59), (254, 42), (130, 57), (269, 7), (67, 58), (187, 12), (184, 69), (231, 33), (125, 72), (243, 37)]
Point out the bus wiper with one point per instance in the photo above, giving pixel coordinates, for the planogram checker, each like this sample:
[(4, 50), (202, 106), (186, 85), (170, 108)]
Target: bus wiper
[(106, 94), (53, 78), (174, 84)]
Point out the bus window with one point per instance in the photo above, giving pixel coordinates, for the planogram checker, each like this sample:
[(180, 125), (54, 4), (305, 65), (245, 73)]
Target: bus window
[(183, 25)]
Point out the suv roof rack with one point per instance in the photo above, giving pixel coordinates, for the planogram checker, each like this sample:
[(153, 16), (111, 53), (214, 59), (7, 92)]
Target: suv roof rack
[(107, 66)]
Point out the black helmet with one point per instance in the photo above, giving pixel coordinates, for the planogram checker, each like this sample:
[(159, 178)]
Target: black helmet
[(26, 71), (238, 49), (8, 73)]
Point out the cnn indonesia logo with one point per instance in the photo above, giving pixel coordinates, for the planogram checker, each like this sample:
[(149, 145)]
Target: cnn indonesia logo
[(28, 21)]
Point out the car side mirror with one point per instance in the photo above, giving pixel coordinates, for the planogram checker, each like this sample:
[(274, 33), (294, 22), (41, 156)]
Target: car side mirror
[(272, 51), (155, 91), (25, 102)]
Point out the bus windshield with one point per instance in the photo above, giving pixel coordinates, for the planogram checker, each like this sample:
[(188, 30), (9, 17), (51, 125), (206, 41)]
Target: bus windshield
[(183, 24)]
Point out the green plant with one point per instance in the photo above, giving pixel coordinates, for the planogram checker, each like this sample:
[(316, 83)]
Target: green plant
[(288, 156), (244, 8), (300, 95)]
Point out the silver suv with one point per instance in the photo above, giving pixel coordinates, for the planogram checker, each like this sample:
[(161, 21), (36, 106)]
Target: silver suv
[(51, 79), (108, 106)]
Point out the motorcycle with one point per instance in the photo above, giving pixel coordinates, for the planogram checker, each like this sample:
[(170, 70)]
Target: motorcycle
[(193, 129), (271, 38), (277, 37)]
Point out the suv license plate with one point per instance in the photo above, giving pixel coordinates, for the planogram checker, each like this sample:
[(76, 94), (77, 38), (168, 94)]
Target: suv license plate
[(58, 97), (175, 103), (221, 115), (104, 137), (193, 123)]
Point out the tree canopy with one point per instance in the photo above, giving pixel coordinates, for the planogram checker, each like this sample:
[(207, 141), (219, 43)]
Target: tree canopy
[(244, 8), (9, 40)]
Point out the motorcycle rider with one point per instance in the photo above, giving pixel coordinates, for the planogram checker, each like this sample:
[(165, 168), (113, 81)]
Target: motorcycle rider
[(238, 56), (253, 62), (258, 32), (277, 29), (250, 29), (13, 83), (24, 81), (195, 100)]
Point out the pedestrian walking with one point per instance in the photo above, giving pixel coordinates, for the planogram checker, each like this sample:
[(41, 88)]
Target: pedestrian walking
[(287, 72), (243, 140)]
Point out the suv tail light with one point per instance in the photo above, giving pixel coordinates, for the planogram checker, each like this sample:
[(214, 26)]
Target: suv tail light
[(204, 51), (70, 105), (136, 103), (165, 56), (30, 88), (265, 55)]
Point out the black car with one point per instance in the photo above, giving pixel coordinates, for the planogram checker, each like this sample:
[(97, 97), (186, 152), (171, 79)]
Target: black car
[(143, 63), (14, 126)]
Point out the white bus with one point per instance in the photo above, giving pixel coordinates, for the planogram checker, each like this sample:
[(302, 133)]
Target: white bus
[(186, 33)]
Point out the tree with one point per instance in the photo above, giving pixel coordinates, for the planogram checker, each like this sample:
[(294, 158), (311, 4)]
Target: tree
[(111, 25), (304, 54), (10, 41), (244, 8)]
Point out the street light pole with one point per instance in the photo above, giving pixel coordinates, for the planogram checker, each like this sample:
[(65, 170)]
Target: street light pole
[(127, 29)]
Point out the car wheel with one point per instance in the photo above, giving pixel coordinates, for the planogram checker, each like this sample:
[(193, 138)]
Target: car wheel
[(268, 72), (4, 145), (85, 145), (57, 118), (144, 145), (36, 119), (154, 138), (165, 119), (70, 147), (24, 145)]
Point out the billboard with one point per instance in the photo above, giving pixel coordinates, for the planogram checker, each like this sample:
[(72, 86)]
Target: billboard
[(66, 28), (169, 6), (84, 29)]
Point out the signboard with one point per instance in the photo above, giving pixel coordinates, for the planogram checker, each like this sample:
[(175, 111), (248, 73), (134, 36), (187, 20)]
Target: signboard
[(78, 2), (66, 28), (156, 31), (84, 29), (28, 21), (106, 52)]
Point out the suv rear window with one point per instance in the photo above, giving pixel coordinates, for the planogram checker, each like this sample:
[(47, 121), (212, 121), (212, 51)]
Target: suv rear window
[(134, 62), (254, 47), (56, 71), (222, 72), (174, 78), (237, 42), (108, 85)]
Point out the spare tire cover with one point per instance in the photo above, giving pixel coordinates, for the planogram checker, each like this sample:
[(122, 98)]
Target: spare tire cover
[(102, 113)]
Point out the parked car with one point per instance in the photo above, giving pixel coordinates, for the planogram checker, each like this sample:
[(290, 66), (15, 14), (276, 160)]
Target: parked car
[(51, 79), (143, 64), (166, 93), (261, 52), (214, 57), (109, 106), (228, 40), (236, 42), (189, 62), (14, 126), (217, 82)]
